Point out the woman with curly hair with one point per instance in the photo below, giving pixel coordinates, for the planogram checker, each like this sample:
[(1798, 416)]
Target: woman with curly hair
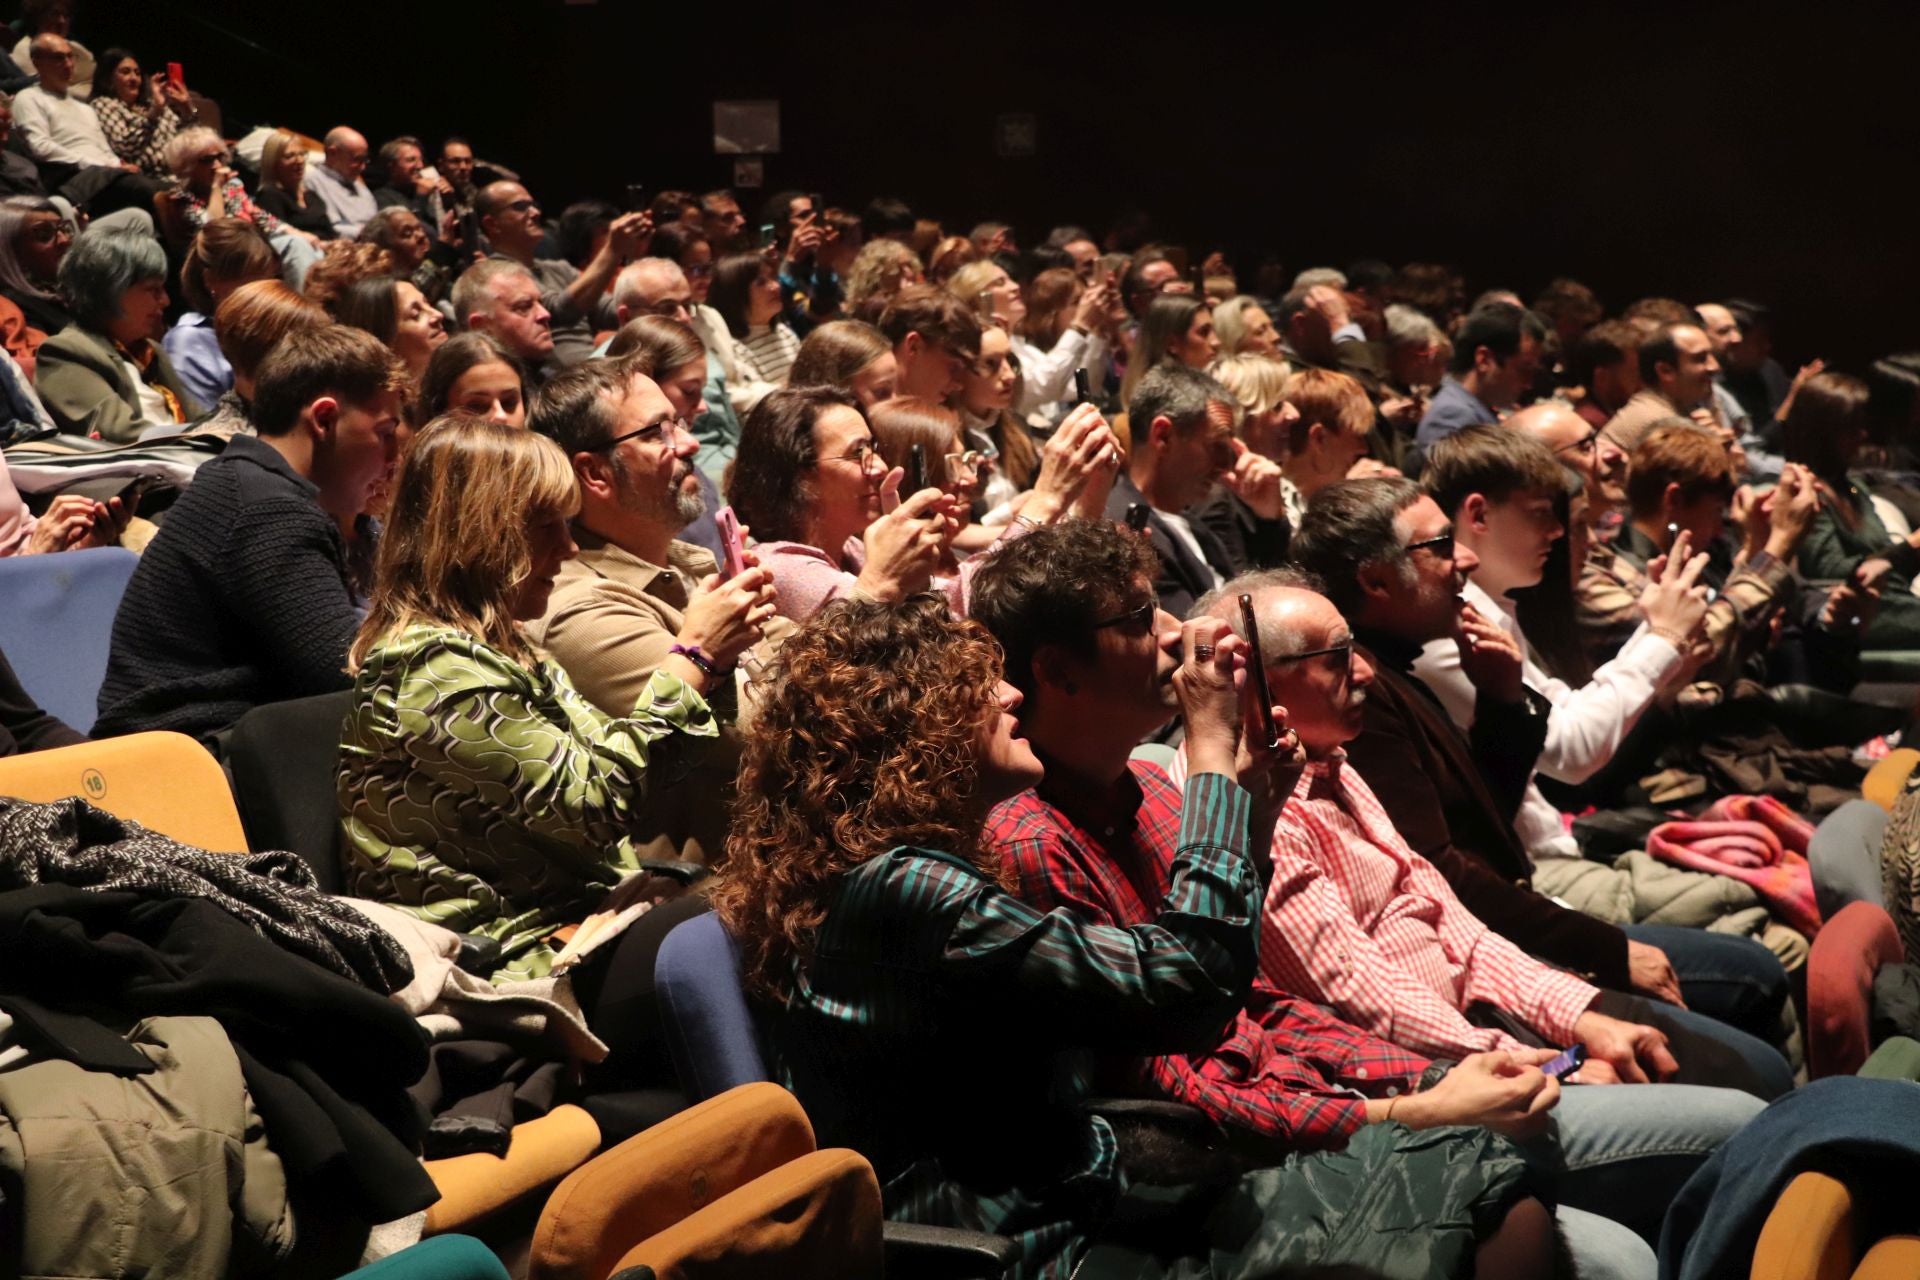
[(882, 269), (926, 1017), (479, 790)]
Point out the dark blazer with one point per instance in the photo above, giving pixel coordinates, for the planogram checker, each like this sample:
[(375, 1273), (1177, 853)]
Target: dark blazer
[(1251, 540), (1453, 798), (1182, 579)]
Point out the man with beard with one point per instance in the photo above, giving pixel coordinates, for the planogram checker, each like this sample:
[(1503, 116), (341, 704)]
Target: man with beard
[(635, 599)]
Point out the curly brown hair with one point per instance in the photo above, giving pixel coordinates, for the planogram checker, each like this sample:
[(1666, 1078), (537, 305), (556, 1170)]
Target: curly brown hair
[(868, 741)]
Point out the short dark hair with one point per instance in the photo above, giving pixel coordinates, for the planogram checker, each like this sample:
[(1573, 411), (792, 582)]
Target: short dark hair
[(1661, 349), (1498, 327), (1053, 585), (1062, 236), (1601, 347), (884, 216), (346, 363), (1495, 462), (771, 485), (733, 280), (1350, 524), (937, 316), (1661, 311), (1177, 393), (579, 222), (671, 205), (578, 407)]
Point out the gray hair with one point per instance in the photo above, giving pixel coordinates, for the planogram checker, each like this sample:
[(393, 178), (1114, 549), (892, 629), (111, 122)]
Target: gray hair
[(1228, 324), (1320, 275), (628, 290), (188, 140), (1176, 393), (13, 216), (473, 290), (1223, 603), (1410, 327), (101, 267)]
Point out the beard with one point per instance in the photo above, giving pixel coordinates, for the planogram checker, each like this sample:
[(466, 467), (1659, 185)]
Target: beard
[(674, 505)]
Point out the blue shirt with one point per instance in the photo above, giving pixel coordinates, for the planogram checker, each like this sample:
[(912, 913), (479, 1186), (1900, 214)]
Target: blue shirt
[(197, 361), (1453, 408)]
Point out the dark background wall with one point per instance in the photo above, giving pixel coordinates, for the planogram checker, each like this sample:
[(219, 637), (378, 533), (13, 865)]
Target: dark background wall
[(1692, 150)]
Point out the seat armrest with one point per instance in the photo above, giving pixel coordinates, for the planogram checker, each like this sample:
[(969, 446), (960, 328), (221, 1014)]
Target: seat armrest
[(673, 869), (946, 1253)]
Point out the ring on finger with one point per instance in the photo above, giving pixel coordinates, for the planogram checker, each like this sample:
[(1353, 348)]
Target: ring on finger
[(1203, 653)]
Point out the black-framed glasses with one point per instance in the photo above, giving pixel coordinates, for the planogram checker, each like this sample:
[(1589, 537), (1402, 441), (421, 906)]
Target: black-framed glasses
[(670, 308), (863, 455), (1441, 545), (652, 435), (1344, 649), (1584, 445), (1141, 617)]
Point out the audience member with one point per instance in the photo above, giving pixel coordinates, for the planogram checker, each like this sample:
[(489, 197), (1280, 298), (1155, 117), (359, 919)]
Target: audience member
[(472, 374), (1569, 308), (343, 264), (1762, 450), (243, 597), (850, 356), (1247, 510), (63, 134), (209, 189), (935, 341), (401, 233), (1245, 328), (1677, 372), (398, 314), (673, 355), (408, 184), (1177, 329), (1007, 458), (883, 268), (689, 250), (636, 600), (1066, 328), (1496, 355), (657, 287), (105, 375), (19, 176), (283, 188), (338, 185), (1578, 444), (140, 114), (1317, 332), (724, 224), (1327, 437), (501, 299), (34, 237), (1182, 423), (457, 166), (251, 323), (575, 298), (1604, 366), (225, 254), (812, 891), (746, 294)]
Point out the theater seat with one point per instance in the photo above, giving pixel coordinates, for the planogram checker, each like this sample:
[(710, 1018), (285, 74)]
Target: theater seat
[(57, 625), (164, 781), (1884, 781), (1809, 1233), (541, 1152), (441, 1258), (1894, 1258), (284, 756), (1847, 953)]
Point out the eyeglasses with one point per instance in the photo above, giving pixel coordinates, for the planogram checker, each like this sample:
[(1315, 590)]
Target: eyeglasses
[(48, 232), (1344, 650), (652, 435), (519, 206), (1441, 545), (671, 308), (698, 271), (969, 462), (1584, 445), (864, 456), (1141, 617)]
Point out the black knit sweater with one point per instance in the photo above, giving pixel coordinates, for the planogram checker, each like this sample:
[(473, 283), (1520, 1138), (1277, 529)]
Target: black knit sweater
[(241, 599)]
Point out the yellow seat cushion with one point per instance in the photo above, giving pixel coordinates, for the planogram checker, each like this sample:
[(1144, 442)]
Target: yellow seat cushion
[(1883, 782), (540, 1153), (166, 782), (1809, 1234)]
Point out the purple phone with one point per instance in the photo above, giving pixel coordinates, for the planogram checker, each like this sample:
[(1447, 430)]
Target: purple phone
[(1566, 1062), (734, 563)]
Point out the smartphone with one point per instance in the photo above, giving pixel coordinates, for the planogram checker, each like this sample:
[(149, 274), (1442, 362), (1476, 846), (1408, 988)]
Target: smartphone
[(916, 468), (1082, 387), (137, 489), (176, 76), (1257, 672), (733, 560), (1566, 1062), (769, 235), (636, 197), (1138, 516)]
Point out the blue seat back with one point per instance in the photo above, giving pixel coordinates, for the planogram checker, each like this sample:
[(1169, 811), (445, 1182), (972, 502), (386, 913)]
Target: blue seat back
[(56, 625), (709, 1027)]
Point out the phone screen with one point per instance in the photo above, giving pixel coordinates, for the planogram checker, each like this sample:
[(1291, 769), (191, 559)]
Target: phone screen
[(636, 197), (1566, 1062)]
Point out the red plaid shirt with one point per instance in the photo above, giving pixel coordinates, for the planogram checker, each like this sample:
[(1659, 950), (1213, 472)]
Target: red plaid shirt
[(1285, 1068)]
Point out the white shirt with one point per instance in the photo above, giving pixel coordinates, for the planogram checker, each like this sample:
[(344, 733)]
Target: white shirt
[(1046, 377), (1585, 726), (61, 129), (348, 207)]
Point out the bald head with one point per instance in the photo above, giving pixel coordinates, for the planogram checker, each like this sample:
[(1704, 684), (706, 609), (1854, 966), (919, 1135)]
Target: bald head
[(1322, 695), (346, 152), (653, 286), (53, 59), (1553, 423)]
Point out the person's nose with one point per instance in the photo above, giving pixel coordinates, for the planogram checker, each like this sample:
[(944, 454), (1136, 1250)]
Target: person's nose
[(541, 315), (1464, 561), (499, 414), (1010, 697), (684, 445), (1360, 671)]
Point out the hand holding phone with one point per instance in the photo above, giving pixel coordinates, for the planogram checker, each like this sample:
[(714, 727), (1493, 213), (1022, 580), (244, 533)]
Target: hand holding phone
[(1565, 1063), (1139, 515), (1257, 673), (176, 76), (732, 545), (1082, 387)]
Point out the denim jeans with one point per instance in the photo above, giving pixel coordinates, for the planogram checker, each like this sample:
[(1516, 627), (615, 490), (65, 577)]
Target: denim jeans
[(1602, 1249), (1623, 1151), (1732, 980)]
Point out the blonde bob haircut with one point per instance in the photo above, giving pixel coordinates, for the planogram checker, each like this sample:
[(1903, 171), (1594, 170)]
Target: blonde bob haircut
[(970, 283), (456, 549), (1258, 383), (1229, 323)]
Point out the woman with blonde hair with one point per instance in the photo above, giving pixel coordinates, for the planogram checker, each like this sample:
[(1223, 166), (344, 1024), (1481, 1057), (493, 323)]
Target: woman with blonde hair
[(882, 269), (990, 292), (283, 192), (1245, 328), (209, 189), (479, 789), (1247, 510)]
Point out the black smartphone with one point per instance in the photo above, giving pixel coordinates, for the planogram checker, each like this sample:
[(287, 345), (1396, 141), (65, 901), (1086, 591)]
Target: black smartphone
[(1138, 516), (916, 468), (636, 197), (1082, 387), (1566, 1062), (1257, 672)]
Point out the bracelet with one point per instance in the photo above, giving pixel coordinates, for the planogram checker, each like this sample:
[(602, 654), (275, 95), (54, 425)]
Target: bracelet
[(691, 652), (1026, 522), (1390, 1106), (1671, 636)]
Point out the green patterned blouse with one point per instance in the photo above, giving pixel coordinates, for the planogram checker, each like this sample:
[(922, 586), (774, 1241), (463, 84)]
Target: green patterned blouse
[(492, 798)]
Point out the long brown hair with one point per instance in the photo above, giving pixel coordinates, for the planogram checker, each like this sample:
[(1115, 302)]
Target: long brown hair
[(455, 549), (868, 741)]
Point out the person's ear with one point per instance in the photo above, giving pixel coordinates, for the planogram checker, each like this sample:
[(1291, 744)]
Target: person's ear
[(1317, 436), (1160, 431), (1376, 579), (324, 415), (595, 473), (1473, 512), (1672, 498), (910, 348), (622, 314), (1485, 362), (1053, 668)]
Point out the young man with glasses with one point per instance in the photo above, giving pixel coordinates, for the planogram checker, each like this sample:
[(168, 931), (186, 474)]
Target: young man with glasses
[(635, 599), (1386, 559), (576, 297)]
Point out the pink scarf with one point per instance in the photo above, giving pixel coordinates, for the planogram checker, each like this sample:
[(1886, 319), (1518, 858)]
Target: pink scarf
[(1753, 839)]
